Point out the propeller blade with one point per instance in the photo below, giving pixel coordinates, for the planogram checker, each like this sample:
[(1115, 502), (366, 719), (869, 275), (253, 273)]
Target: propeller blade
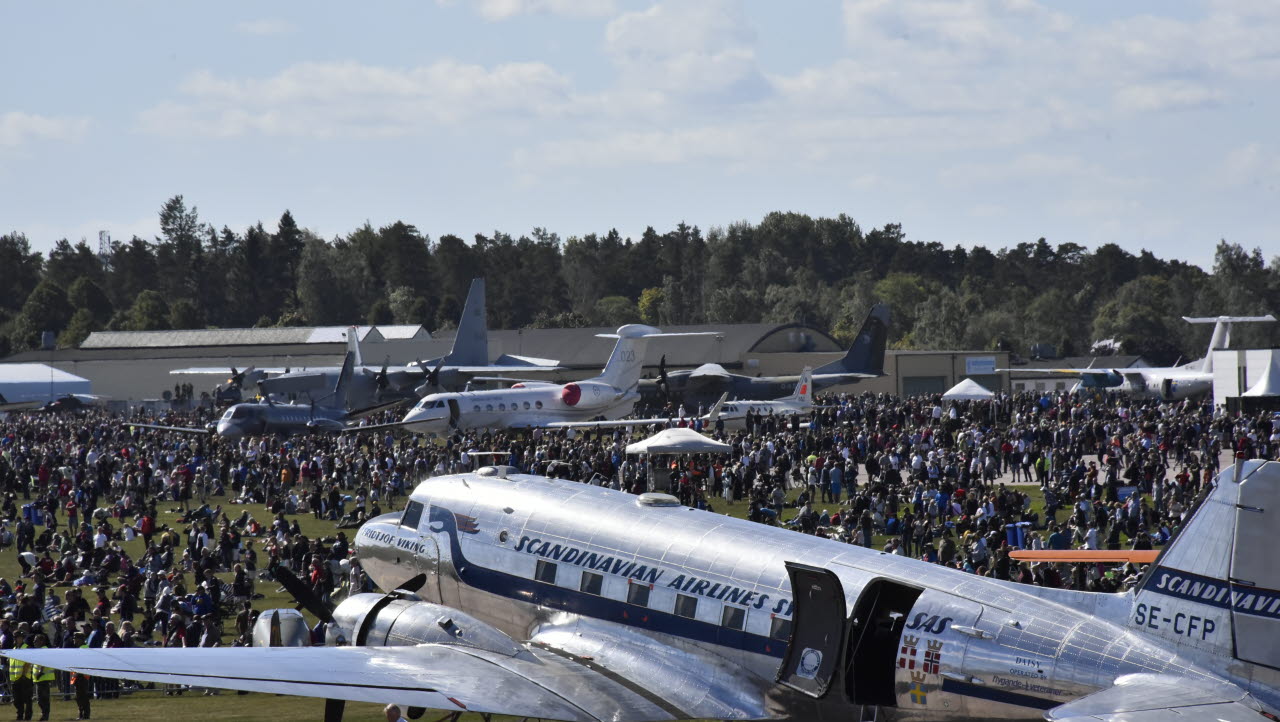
[(302, 594), (433, 378)]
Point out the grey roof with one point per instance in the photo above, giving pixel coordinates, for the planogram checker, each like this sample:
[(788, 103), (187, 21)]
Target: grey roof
[(247, 336)]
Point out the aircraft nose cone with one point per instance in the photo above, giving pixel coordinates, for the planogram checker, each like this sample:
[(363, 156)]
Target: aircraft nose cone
[(229, 430)]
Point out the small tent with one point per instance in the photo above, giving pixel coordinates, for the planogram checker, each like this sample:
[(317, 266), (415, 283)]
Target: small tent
[(38, 382), (968, 390), (678, 441)]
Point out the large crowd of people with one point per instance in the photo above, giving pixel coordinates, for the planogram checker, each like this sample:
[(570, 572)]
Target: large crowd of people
[(126, 536)]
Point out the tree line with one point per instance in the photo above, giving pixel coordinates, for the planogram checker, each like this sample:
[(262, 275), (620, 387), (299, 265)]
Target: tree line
[(789, 267)]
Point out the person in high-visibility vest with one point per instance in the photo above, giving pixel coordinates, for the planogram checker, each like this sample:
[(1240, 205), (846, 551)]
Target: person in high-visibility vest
[(82, 684), (21, 685), (43, 677)]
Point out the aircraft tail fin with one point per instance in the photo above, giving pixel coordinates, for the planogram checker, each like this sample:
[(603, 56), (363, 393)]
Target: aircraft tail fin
[(804, 387), (1215, 587), (622, 371), (714, 414), (866, 353), (471, 343), (341, 387), (353, 344), (1222, 333)]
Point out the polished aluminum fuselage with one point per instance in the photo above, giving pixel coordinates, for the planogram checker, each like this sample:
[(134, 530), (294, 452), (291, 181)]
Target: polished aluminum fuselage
[(972, 647)]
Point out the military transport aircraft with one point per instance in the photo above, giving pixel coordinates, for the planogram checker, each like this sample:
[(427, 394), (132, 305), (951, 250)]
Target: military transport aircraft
[(704, 384), (468, 359), (1172, 383), (527, 404), (535, 597), (329, 413)]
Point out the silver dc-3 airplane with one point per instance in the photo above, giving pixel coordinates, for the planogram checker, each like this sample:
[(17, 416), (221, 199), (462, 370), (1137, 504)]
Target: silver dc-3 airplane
[(534, 597)]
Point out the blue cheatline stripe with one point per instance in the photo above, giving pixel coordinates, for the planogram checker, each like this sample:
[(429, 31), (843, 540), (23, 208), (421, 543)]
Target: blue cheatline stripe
[(997, 695), (1254, 601), (519, 588)]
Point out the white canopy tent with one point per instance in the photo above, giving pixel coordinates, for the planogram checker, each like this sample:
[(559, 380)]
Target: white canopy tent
[(673, 441), (38, 382), (1269, 384), (968, 390), (678, 441)]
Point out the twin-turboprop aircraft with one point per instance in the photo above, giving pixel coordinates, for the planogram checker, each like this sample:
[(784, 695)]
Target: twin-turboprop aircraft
[(536, 597)]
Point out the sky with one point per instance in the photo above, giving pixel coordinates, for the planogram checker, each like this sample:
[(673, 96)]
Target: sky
[(1149, 124)]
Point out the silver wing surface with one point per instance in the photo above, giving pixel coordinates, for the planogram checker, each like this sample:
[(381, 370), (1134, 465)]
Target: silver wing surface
[(226, 370), (162, 427), (536, 682), (1161, 698)]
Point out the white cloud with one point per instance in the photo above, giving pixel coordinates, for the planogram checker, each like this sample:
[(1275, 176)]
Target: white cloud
[(1166, 95), (699, 50), (1251, 164), (497, 10), (353, 99), (266, 26), (18, 128)]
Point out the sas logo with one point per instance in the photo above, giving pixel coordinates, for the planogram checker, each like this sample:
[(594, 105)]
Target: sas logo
[(810, 660)]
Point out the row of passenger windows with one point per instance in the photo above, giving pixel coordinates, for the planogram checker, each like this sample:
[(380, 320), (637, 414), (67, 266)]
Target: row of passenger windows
[(731, 616), (515, 406)]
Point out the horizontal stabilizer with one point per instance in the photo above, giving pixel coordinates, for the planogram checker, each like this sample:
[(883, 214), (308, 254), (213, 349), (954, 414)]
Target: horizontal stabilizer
[(1229, 319), (1089, 556)]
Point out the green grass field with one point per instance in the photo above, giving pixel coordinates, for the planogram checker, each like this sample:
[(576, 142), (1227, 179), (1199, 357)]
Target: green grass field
[(149, 705)]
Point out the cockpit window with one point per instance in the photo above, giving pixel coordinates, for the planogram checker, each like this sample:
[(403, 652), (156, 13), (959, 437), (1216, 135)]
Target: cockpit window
[(227, 415), (412, 515), (242, 412)]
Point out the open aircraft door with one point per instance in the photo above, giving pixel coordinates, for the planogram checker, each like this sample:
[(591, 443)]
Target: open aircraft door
[(819, 625), (455, 413)]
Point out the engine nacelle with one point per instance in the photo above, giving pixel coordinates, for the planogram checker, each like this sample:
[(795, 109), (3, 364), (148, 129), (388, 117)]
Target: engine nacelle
[(377, 620), (331, 425), (281, 628), (570, 394)]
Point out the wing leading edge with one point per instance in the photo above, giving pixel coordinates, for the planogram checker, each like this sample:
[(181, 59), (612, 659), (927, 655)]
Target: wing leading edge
[(535, 683), (1158, 698)]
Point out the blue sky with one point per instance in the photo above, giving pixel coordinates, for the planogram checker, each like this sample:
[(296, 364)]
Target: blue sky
[(1148, 124)]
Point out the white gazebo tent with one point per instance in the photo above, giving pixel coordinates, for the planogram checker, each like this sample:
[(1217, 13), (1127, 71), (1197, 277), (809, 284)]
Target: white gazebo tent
[(968, 390), (678, 441), (675, 441)]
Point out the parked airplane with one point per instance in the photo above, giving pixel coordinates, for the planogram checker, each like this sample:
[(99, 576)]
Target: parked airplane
[(326, 414), (64, 403), (536, 597), (731, 414), (610, 395), (467, 359), (1171, 383), (864, 359)]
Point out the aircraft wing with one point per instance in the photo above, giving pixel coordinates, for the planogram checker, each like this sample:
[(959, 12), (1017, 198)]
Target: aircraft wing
[(1159, 698), (617, 423), (181, 429), (503, 369), (20, 405), (226, 371), (1070, 372), (537, 682)]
